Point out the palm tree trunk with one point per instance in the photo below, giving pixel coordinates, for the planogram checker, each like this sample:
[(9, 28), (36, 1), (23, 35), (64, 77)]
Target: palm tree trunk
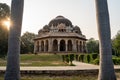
[(106, 71), (13, 67)]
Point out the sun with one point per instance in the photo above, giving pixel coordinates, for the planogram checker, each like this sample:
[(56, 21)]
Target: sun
[(7, 23)]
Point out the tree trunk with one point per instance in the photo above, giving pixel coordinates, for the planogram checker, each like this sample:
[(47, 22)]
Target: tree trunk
[(106, 71), (13, 66)]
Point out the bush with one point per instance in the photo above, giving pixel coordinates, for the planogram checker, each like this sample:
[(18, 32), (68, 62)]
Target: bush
[(87, 58), (81, 57), (71, 58), (96, 61), (67, 58), (94, 56), (76, 57), (116, 61)]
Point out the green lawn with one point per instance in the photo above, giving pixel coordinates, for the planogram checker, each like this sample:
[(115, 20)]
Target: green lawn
[(38, 60)]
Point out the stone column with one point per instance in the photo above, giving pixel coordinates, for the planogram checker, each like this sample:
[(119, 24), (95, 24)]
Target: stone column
[(78, 46), (39, 46), (34, 46), (44, 46), (66, 44), (58, 45), (82, 47), (50, 42), (74, 45)]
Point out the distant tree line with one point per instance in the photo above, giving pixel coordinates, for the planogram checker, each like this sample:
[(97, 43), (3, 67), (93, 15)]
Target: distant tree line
[(93, 45)]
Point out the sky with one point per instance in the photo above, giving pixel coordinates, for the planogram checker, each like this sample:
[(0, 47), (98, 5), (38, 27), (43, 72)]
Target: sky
[(38, 13)]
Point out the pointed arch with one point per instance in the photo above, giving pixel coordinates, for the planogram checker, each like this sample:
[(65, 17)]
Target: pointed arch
[(55, 45), (62, 45), (69, 45)]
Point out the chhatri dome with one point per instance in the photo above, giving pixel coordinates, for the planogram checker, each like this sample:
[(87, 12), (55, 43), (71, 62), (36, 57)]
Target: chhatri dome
[(59, 36)]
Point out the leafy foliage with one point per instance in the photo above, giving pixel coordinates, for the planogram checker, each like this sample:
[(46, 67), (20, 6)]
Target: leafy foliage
[(116, 44), (4, 15), (93, 46), (27, 43)]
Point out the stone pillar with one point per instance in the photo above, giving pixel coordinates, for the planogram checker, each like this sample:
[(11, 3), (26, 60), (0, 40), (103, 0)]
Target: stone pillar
[(74, 45), (34, 46), (82, 46), (50, 42), (44, 46), (78, 46), (39, 46), (66, 44), (58, 45)]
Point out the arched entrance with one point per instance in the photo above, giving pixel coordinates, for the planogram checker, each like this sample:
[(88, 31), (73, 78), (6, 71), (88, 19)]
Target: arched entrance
[(62, 45), (69, 45), (55, 45)]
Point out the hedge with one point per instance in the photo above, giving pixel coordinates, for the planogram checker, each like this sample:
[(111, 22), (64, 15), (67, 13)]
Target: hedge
[(116, 61)]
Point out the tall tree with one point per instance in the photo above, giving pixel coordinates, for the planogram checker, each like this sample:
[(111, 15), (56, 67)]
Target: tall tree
[(4, 15), (13, 66), (92, 46), (27, 45), (116, 44), (106, 71)]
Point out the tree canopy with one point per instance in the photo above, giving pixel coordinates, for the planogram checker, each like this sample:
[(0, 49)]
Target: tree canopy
[(27, 43), (116, 44), (93, 46), (4, 15)]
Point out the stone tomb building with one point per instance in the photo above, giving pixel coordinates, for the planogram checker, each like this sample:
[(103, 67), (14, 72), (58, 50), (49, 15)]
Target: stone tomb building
[(60, 36)]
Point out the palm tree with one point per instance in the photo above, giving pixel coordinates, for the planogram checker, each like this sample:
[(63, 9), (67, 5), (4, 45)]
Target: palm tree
[(13, 67), (106, 71)]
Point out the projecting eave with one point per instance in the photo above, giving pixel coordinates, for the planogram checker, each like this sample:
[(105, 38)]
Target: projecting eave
[(61, 35)]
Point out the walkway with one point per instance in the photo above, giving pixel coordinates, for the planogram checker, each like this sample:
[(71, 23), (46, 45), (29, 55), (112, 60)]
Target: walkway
[(79, 66)]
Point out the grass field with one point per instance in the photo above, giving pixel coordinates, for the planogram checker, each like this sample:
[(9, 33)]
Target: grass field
[(38, 60)]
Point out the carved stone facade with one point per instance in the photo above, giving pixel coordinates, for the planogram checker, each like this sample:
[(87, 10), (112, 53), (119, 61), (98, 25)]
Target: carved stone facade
[(60, 36)]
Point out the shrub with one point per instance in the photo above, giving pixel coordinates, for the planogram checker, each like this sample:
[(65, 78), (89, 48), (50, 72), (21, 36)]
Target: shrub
[(76, 57), (71, 58), (96, 61), (94, 56), (88, 58), (116, 61), (67, 58), (81, 57)]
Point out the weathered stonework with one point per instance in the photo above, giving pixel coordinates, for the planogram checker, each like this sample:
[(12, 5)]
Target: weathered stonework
[(60, 36)]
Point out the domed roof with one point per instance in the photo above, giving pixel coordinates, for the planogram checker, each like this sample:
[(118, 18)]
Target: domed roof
[(77, 29), (59, 20), (46, 27)]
